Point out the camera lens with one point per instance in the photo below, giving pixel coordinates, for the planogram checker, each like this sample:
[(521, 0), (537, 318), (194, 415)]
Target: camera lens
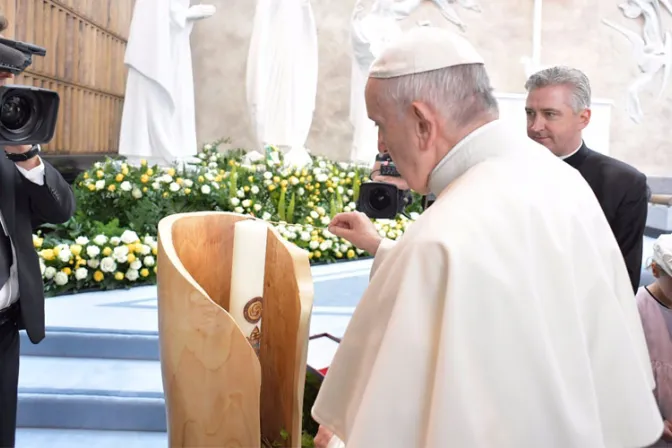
[(17, 112), (380, 199)]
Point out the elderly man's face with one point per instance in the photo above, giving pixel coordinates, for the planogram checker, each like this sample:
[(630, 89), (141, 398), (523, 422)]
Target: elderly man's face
[(399, 135)]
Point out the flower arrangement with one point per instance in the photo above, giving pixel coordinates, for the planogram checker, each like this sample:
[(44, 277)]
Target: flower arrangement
[(111, 241)]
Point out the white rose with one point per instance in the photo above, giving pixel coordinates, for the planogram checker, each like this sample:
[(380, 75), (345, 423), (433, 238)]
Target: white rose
[(314, 214), (144, 249), (254, 189), (81, 273), (207, 147), (92, 251), (240, 193), (266, 216), (205, 189), (268, 175), (61, 278), (247, 203), (234, 201), (129, 237), (325, 220), (82, 240), (126, 186), (132, 275), (100, 240), (49, 273), (100, 184), (238, 210), (148, 261), (156, 185), (174, 187), (64, 255), (93, 264), (120, 254), (107, 264), (305, 236), (115, 240), (188, 183), (136, 193), (137, 264), (314, 245), (257, 207), (148, 240), (43, 267)]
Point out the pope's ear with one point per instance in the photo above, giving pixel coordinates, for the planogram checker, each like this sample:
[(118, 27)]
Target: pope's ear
[(425, 122)]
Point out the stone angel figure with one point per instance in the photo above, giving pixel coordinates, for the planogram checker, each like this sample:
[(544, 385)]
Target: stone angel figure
[(652, 50), (158, 120)]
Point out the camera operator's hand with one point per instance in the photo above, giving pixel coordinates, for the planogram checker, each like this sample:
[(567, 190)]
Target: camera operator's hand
[(357, 228), (399, 182)]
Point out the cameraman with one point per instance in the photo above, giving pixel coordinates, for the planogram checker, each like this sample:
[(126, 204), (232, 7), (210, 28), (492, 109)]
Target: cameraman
[(32, 192)]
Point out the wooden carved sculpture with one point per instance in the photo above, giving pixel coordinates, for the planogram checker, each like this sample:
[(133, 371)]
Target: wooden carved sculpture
[(234, 314)]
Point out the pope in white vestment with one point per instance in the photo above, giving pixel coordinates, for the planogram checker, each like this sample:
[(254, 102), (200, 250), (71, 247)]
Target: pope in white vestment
[(504, 317)]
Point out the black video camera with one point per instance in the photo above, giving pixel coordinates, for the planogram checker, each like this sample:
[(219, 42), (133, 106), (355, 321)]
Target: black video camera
[(28, 114), (382, 200)]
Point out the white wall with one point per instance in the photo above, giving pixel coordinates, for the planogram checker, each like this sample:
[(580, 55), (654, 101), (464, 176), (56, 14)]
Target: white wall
[(596, 135)]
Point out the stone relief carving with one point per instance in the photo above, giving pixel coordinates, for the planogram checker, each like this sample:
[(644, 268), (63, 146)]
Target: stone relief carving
[(371, 29), (652, 49)]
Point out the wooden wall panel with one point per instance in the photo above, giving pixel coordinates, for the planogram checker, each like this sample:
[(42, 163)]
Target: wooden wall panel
[(85, 42)]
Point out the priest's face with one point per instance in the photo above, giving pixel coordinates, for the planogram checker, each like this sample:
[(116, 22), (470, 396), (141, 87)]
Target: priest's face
[(552, 121), (400, 134)]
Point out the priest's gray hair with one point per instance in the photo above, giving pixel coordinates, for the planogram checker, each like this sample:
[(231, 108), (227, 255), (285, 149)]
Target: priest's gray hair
[(461, 93), (567, 76)]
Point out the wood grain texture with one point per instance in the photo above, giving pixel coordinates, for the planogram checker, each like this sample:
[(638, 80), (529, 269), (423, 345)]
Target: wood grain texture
[(218, 393)]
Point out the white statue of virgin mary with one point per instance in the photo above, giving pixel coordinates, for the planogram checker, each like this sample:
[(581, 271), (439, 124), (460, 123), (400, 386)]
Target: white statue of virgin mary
[(282, 76), (158, 121)]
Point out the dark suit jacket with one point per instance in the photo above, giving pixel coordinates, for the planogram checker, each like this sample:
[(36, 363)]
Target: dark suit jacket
[(26, 205), (622, 192)]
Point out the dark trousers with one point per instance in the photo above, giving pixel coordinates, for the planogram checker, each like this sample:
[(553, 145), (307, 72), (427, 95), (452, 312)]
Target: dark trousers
[(9, 380)]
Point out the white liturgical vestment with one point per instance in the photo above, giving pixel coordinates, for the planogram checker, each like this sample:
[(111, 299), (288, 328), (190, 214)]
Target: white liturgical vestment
[(503, 318)]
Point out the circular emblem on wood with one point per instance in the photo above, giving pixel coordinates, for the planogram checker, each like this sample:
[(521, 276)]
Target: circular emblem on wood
[(252, 310)]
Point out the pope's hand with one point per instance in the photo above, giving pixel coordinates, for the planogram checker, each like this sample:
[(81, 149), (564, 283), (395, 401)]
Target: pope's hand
[(198, 12), (357, 228), (323, 437)]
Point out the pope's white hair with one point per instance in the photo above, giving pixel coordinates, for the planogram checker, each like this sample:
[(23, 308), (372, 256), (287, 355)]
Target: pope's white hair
[(575, 79), (461, 93)]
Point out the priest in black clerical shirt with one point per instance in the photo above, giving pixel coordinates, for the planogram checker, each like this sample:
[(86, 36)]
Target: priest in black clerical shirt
[(558, 109)]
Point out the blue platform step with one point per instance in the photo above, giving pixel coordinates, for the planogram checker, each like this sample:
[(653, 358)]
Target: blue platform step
[(95, 380)]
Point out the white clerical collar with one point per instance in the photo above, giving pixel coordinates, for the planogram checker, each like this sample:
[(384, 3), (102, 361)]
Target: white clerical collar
[(572, 153), (467, 153)]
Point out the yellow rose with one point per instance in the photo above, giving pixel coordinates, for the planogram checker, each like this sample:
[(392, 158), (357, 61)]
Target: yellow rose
[(144, 178), (112, 187), (201, 179), (179, 181), (131, 258), (271, 187), (165, 194), (317, 253), (66, 271), (47, 254), (107, 251), (144, 272), (144, 189), (187, 190), (124, 169), (171, 171), (143, 162), (100, 174), (91, 187), (86, 175), (118, 276), (149, 171), (76, 249), (57, 251), (350, 253), (98, 276), (37, 241), (119, 177), (154, 251)]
